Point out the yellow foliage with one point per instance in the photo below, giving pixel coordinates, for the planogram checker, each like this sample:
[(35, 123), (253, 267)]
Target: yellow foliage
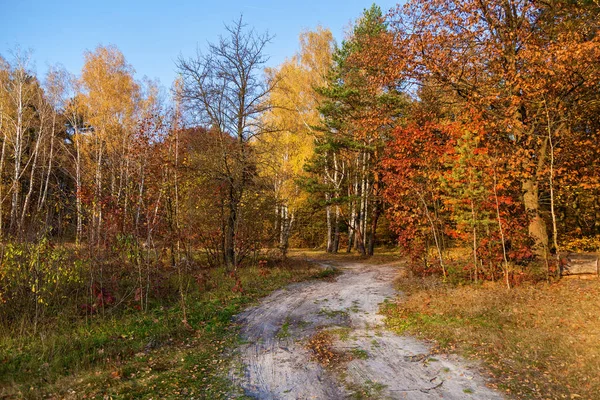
[(289, 141)]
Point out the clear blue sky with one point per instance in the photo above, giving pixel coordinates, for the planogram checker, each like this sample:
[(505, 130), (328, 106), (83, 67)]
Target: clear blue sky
[(151, 34)]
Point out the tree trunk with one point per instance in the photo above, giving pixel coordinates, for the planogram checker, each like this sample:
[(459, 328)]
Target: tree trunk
[(287, 221), (230, 260), (351, 226), (221, 245), (98, 194), (140, 200), (359, 241), (16, 186), (46, 181), (78, 204), (473, 219), (597, 222), (329, 224), (2, 157), (373, 233), (31, 176), (552, 196), (537, 225), (336, 232), (501, 230), (358, 213), (434, 232), (377, 210)]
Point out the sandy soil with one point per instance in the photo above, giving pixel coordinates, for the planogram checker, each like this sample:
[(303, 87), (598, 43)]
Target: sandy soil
[(274, 362)]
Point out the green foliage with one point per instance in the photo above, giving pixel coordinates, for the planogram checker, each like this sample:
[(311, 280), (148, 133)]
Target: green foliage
[(36, 275), (127, 245), (466, 185)]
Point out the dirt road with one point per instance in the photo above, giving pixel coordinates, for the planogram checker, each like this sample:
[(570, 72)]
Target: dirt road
[(275, 363)]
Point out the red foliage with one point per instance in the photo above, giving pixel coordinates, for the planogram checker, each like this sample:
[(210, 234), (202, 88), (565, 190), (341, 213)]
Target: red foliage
[(102, 297), (237, 288)]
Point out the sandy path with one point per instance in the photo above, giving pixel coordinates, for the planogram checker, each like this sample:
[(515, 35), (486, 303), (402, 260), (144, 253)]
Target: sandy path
[(275, 363)]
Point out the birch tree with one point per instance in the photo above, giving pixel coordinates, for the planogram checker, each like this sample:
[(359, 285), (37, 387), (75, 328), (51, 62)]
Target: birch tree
[(288, 145)]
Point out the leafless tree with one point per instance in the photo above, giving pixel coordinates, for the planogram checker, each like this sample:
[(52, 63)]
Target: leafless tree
[(225, 89)]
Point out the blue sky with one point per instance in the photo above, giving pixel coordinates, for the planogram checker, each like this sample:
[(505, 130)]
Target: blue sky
[(152, 34)]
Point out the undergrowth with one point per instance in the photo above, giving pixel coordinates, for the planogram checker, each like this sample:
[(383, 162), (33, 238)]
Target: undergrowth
[(140, 354)]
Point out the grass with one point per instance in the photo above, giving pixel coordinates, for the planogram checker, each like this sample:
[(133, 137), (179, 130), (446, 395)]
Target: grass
[(342, 332), (368, 390), (140, 355), (284, 331), (328, 274), (329, 313), (536, 341), (382, 256), (359, 354), (355, 307)]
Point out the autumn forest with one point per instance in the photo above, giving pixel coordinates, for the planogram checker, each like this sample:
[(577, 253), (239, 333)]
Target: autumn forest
[(461, 137)]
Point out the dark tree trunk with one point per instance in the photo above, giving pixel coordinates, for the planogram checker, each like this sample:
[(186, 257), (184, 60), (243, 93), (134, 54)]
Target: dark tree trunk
[(230, 260), (373, 232)]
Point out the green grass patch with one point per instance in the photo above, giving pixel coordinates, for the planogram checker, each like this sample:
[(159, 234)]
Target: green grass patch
[(342, 332), (327, 273), (284, 331), (366, 391), (329, 313), (359, 354)]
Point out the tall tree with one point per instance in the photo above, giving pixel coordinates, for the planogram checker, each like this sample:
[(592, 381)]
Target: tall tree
[(25, 123), (289, 144), (224, 90), (358, 111), (110, 99)]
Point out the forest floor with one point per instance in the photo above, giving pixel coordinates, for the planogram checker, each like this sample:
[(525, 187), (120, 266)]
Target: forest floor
[(326, 340), (536, 341)]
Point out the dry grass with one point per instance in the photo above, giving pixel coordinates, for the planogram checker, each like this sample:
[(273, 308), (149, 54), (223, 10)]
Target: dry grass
[(382, 256), (537, 341)]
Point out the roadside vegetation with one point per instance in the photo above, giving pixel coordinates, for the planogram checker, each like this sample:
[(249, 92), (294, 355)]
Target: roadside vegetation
[(126, 353), (536, 340)]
